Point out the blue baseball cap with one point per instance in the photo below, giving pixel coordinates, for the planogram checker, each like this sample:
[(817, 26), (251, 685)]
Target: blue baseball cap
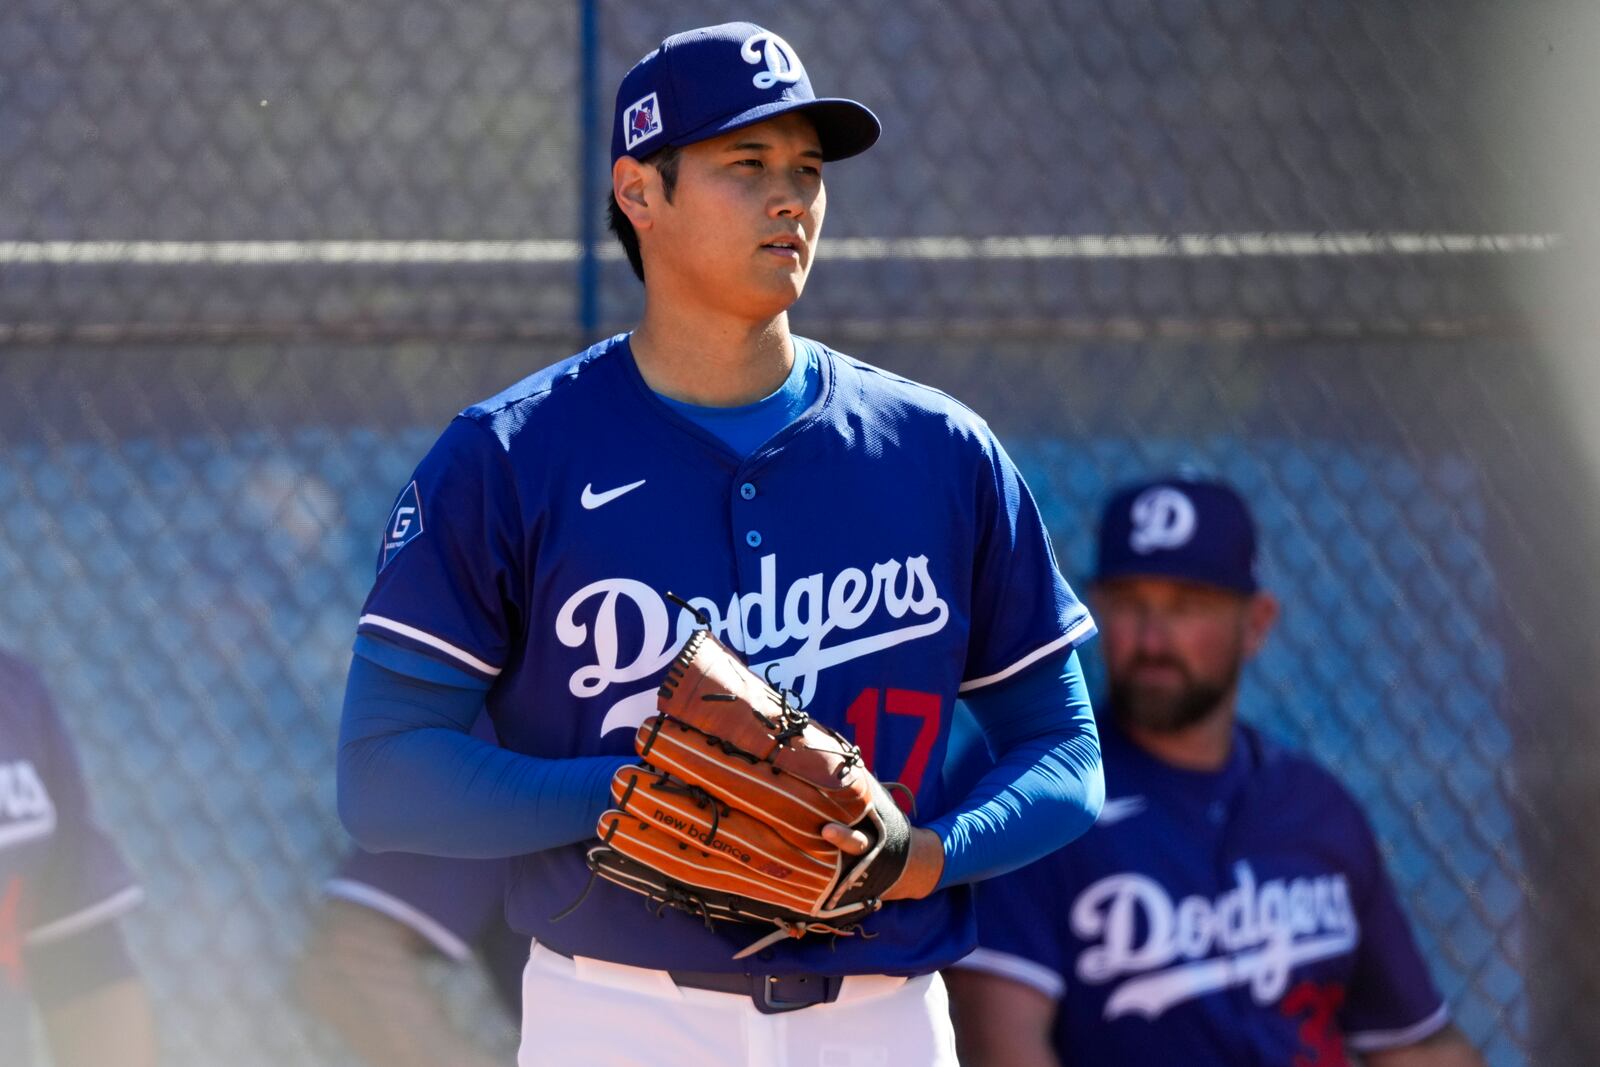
[(1191, 530), (705, 82)]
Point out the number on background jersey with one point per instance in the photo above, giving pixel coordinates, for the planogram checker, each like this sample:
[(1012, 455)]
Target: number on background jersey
[(1319, 1033)]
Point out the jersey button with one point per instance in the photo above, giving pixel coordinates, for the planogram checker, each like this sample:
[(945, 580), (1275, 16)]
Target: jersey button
[(747, 491), (753, 539)]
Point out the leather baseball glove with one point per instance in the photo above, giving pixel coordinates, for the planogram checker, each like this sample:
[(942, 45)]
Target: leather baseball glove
[(724, 817)]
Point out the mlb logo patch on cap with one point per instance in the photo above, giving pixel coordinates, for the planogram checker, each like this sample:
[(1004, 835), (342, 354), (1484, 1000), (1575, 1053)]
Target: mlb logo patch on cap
[(642, 121)]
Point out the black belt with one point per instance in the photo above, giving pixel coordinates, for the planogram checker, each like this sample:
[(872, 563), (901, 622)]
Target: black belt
[(772, 994)]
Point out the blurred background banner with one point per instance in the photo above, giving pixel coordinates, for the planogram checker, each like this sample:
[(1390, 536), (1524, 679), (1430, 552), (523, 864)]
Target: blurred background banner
[(253, 258)]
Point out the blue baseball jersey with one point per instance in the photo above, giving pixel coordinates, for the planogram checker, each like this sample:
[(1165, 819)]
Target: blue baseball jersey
[(456, 905), (60, 875), (877, 556), (1228, 919)]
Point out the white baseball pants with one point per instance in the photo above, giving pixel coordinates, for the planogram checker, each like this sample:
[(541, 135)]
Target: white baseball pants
[(588, 1013)]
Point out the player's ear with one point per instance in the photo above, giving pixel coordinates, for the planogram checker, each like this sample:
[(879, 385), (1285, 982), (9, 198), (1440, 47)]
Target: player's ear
[(636, 187), (1261, 612)]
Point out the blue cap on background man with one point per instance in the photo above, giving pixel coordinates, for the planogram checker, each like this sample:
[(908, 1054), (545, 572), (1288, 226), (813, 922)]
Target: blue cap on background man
[(705, 82), (1182, 528)]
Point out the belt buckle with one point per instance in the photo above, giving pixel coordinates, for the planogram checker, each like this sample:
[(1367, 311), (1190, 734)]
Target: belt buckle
[(768, 1002)]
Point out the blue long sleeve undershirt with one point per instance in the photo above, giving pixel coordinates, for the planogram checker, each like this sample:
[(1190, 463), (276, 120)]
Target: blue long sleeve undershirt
[(411, 779), (1046, 786)]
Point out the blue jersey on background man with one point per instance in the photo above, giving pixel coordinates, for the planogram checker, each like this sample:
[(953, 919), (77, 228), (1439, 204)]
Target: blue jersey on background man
[(1241, 916), (1230, 906)]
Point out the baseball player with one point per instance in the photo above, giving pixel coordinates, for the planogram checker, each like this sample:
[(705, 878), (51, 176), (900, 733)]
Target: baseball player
[(863, 541), (1230, 907), (62, 887), (385, 916)]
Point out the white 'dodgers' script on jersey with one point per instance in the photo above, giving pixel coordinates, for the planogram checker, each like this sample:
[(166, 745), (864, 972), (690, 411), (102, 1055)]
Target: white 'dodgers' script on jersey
[(1260, 932), (810, 610)]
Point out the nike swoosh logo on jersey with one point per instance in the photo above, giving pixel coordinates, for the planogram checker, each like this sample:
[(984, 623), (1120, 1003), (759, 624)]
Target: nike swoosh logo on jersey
[(1116, 809), (592, 499)]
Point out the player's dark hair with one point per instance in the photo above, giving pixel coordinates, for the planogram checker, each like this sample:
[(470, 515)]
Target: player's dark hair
[(666, 164)]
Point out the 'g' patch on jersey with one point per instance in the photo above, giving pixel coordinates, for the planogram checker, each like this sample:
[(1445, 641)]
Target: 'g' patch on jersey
[(405, 522)]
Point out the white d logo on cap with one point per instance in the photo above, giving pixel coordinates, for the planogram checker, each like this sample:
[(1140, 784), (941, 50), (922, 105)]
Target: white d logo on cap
[(1162, 518), (774, 53)]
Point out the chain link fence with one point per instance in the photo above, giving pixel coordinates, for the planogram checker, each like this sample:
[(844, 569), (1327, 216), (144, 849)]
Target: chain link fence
[(253, 257)]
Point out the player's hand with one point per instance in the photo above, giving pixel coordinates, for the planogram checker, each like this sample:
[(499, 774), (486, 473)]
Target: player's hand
[(924, 863)]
